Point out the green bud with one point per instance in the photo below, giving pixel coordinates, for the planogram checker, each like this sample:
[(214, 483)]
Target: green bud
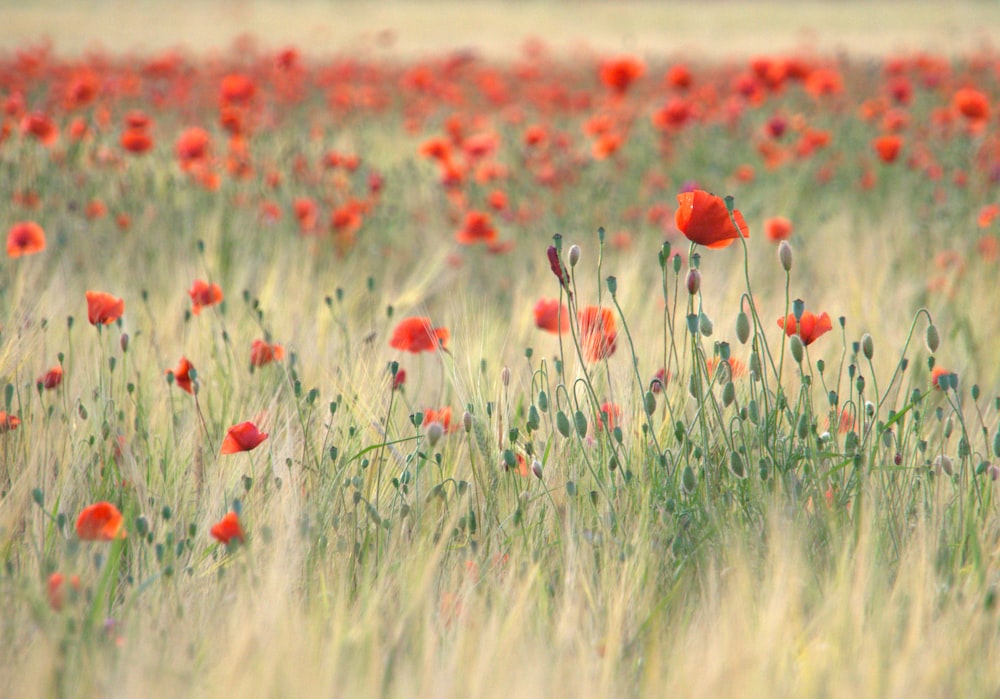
[(736, 465), (796, 347), (581, 424), (933, 339), (649, 402), (742, 328), (728, 394), (562, 423), (867, 345), (688, 480)]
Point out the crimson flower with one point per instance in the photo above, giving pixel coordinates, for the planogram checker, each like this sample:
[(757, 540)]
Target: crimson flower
[(242, 437), (704, 219), (809, 327), (100, 522)]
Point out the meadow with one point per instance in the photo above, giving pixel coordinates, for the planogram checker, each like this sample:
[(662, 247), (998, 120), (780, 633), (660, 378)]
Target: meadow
[(444, 374)]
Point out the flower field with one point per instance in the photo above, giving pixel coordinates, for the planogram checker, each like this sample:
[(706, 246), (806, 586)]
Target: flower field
[(455, 375)]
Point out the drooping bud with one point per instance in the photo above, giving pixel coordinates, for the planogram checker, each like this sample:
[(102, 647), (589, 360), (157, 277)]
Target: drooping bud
[(467, 421), (742, 328), (785, 255), (536, 468), (705, 325), (555, 264), (933, 339)]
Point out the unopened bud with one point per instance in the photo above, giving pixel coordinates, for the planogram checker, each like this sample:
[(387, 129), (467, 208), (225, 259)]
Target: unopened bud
[(434, 432), (124, 342), (536, 468), (943, 464), (573, 255), (467, 421), (796, 347), (933, 339), (505, 376), (867, 345), (693, 281), (785, 255), (705, 325), (742, 328)]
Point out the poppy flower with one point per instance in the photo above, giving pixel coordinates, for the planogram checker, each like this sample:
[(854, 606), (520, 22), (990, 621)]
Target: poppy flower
[(610, 414), (440, 415), (306, 212), (137, 141), (51, 378), (25, 238), (56, 588), (417, 335), (262, 353), (888, 147), (704, 219), (972, 104), (809, 327), (192, 146), (598, 335), (236, 88), (777, 228), (227, 529), (551, 316), (659, 381), (478, 228), (8, 422), (41, 127), (242, 437), (399, 379), (182, 375), (619, 73), (938, 372), (103, 308), (203, 294), (987, 215), (100, 522)]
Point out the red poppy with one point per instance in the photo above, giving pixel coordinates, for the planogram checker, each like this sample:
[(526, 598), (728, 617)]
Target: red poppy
[(987, 215), (619, 73), (306, 213), (478, 228), (809, 327), (236, 88), (598, 335), (103, 308), (704, 219), (888, 147), (55, 589), (203, 294), (262, 353), (100, 522), (972, 104), (192, 146), (551, 316), (441, 415), (242, 437), (610, 412), (399, 379), (8, 422), (227, 529), (936, 374), (25, 238), (137, 141), (182, 375), (778, 228), (417, 335), (660, 379), (51, 378), (41, 127)]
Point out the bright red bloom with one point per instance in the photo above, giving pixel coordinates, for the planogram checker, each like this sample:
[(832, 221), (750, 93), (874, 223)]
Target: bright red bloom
[(8, 422), (25, 238), (227, 529), (242, 437), (182, 375), (972, 104), (262, 353), (417, 335), (236, 88), (103, 308), (619, 73), (100, 522), (55, 589), (598, 336), (936, 374), (203, 294), (778, 228), (306, 213), (809, 327), (610, 412), (551, 316), (137, 141), (478, 228), (442, 415), (987, 215), (51, 378), (888, 147), (192, 146), (704, 219), (41, 127)]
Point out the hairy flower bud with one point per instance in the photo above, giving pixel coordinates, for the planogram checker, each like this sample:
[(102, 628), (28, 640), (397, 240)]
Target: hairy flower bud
[(785, 255)]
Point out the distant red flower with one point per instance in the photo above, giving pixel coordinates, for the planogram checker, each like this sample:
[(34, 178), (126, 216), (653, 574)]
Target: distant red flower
[(262, 353), (478, 228), (551, 316), (41, 127), (182, 375), (660, 379), (598, 336), (51, 378), (237, 88), (704, 219), (619, 73), (442, 415), (417, 335), (8, 422), (610, 414), (809, 327), (192, 146), (203, 295), (25, 238), (306, 213), (972, 104), (242, 437), (100, 522), (55, 589), (227, 529), (399, 379), (936, 374), (137, 141), (987, 215), (777, 228), (103, 308), (887, 147)]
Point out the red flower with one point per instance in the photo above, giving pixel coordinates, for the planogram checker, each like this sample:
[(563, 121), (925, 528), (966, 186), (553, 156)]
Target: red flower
[(555, 264), (598, 336), (888, 147), (704, 219), (417, 335), (41, 127), (25, 238), (551, 316), (55, 589), (936, 374), (441, 415), (100, 522), (242, 437), (809, 327), (610, 412), (262, 353), (237, 88), (618, 74), (972, 104), (51, 378), (192, 146), (227, 529), (203, 294), (182, 375), (103, 308), (777, 228), (136, 140), (478, 228), (660, 379), (399, 379), (8, 422)]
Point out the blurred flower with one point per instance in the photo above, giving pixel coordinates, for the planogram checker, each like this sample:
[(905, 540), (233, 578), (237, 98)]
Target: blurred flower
[(100, 522), (25, 238), (227, 529), (242, 437), (103, 308), (417, 335)]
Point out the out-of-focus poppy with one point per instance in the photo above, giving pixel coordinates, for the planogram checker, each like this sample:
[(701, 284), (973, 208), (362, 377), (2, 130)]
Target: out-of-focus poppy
[(227, 529), (237, 88), (478, 228), (39, 126), (242, 437), (551, 316), (938, 372), (8, 422), (777, 228), (609, 415), (103, 308), (192, 146), (137, 141), (25, 238), (51, 378), (418, 335), (618, 74), (809, 327), (203, 295), (263, 353), (972, 104), (441, 415), (704, 219), (887, 147), (182, 375), (55, 589), (598, 336), (100, 522)]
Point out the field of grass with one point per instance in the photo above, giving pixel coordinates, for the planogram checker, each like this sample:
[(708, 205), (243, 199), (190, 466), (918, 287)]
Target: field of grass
[(332, 366)]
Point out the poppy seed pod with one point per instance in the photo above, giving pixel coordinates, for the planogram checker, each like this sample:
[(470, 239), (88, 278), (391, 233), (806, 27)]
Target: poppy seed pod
[(785, 255)]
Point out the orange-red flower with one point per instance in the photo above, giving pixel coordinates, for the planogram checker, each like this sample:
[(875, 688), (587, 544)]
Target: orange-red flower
[(103, 308), (611, 414), (262, 353), (777, 228), (25, 238), (100, 522), (203, 294), (192, 146), (242, 437), (8, 422), (41, 127), (936, 374), (551, 316), (441, 415), (136, 140), (704, 219), (888, 147), (478, 228), (236, 88), (56, 589), (51, 378), (808, 328), (619, 73), (598, 336), (182, 375), (972, 104), (227, 529), (417, 335)]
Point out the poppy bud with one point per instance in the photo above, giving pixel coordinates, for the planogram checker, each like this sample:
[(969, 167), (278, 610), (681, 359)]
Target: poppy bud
[(562, 423), (785, 255), (943, 464), (612, 285), (124, 342), (795, 345), (728, 394), (505, 376), (705, 325), (736, 465), (573, 255), (742, 328), (688, 480), (467, 421), (434, 432), (536, 468), (867, 345), (693, 281), (649, 403), (933, 339)]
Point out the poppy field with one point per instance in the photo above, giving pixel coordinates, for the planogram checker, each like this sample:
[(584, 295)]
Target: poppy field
[(625, 375)]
